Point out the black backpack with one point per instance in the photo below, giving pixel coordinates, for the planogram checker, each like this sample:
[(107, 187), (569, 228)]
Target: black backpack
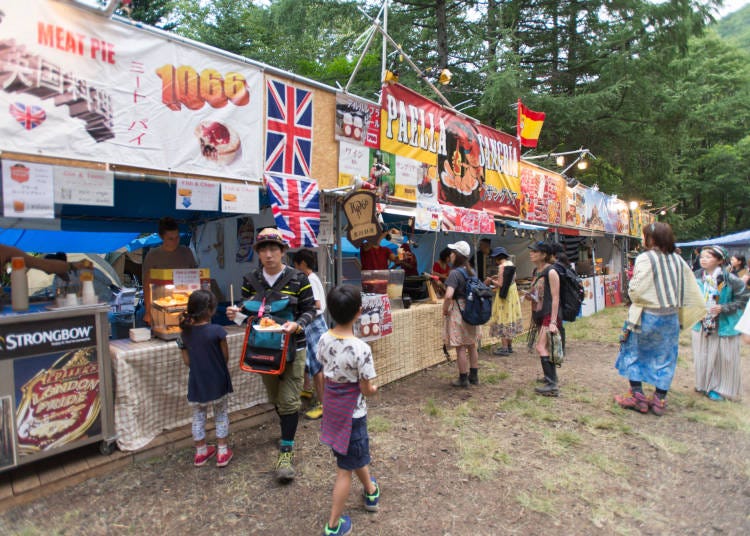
[(478, 309), (571, 293)]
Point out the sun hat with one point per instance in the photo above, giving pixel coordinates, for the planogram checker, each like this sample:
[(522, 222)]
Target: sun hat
[(461, 247), (540, 246), (500, 251), (270, 235)]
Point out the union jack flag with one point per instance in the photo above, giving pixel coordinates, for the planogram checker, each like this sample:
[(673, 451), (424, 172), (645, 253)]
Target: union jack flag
[(295, 203), (30, 116), (289, 129)]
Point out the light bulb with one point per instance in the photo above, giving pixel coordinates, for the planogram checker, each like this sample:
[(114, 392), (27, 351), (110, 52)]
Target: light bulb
[(560, 161)]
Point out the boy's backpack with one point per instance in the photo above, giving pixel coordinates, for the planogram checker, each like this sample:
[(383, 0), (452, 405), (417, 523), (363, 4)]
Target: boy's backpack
[(571, 294), (478, 307)]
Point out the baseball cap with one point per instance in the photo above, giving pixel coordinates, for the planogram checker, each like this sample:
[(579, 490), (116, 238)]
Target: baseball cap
[(500, 251), (540, 246), (461, 247), (269, 235)]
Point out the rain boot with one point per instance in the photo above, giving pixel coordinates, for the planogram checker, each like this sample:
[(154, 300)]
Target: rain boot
[(550, 374), (462, 381), (474, 376)]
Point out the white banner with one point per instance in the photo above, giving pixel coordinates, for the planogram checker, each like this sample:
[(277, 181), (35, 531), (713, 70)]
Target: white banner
[(28, 190), (80, 86)]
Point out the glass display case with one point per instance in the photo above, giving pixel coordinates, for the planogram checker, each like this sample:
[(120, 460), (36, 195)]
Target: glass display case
[(170, 290)]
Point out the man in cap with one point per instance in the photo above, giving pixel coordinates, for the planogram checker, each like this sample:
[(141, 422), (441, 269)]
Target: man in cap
[(272, 280)]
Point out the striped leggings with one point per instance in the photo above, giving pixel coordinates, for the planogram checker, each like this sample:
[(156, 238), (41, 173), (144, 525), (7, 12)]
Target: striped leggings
[(221, 418)]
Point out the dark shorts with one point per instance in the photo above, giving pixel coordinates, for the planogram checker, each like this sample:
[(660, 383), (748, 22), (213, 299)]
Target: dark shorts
[(358, 454)]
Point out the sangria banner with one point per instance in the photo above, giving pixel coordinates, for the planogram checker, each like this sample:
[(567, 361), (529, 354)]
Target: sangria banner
[(463, 163), (78, 85)]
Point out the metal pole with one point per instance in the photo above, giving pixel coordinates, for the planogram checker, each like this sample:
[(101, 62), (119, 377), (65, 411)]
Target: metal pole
[(384, 53)]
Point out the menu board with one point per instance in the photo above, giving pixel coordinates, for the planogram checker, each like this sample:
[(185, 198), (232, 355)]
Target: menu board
[(195, 194), (80, 186)]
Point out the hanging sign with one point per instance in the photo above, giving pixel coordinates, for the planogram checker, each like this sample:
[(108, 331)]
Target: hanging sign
[(240, 198), (359, 208)]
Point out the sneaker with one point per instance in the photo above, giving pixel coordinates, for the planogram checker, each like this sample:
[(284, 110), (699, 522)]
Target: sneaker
[(635, 401), (657, 405), (314, 413), (371, 501), (305, 393), (285, 467), (201, 459), (344, 527), (716, 397), (222, 459)]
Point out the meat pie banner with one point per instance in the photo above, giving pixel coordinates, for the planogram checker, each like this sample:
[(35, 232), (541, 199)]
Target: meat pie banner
[(77, 85), (472, 166)]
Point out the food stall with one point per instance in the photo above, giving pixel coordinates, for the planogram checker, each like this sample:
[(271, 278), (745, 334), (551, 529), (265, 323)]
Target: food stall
[(56, 390)]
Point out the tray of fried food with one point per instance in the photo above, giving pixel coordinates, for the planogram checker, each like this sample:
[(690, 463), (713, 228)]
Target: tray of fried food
[(267, 324)]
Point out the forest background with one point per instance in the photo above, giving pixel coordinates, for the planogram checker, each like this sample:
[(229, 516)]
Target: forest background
[(659, 92)]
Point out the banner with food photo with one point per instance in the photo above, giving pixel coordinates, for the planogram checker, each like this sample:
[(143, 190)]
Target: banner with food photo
[(357, 121), (596, 209), (619, 216), (543, 194), (78, 85), (575, 210), (635, 222)]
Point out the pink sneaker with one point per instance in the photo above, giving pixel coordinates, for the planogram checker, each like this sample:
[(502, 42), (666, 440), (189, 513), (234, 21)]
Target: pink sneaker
[(635, 401), (657, 405), (201, 459), (222, 460)]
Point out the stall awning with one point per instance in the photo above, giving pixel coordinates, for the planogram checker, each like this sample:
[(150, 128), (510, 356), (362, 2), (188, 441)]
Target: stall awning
[(741, 239), (38, 241)]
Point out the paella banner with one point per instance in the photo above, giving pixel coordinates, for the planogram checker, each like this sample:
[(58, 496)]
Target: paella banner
[(464, 164)]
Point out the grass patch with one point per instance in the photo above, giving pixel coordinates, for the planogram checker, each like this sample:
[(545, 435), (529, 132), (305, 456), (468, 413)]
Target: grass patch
[(579, 393), (608, 465), (493, 378), (603, 327), (670, 446), (557, 442), (378, 424), (537, 503), (606, 424), (613, 512), (538, 409), (431, 408), (480, 456)]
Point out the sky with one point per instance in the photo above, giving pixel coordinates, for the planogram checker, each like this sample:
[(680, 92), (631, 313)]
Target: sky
[(731, 6)]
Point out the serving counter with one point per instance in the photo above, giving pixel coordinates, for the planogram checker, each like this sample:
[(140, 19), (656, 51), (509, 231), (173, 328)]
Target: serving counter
[(55, 382), (151, 387)]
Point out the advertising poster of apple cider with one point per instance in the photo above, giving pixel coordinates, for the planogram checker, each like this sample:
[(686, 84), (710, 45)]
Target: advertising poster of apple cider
[(78, 85)]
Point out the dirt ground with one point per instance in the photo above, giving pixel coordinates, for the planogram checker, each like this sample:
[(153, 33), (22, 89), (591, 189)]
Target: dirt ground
[(491, 460)]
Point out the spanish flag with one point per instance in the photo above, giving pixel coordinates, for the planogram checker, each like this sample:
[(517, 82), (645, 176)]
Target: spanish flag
[(529, 125)]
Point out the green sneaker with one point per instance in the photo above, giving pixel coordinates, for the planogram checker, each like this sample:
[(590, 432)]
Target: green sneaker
[(285, 466), (344, 527), (371, 501)]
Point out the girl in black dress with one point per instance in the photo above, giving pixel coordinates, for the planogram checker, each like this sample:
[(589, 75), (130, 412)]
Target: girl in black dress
[(205, 351)]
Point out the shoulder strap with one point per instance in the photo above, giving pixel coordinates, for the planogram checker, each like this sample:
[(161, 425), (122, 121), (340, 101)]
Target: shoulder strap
[(260, 285)]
